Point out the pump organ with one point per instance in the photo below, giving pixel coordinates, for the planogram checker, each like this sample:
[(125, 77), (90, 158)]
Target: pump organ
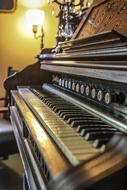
[(71, 131)]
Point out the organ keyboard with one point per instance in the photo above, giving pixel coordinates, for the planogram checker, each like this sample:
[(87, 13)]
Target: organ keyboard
[(80, 126), (71, 131)]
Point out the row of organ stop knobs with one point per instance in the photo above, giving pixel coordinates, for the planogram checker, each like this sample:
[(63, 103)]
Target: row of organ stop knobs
[(88, 90)]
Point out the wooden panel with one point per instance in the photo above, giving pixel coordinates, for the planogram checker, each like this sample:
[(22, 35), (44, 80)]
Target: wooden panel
[(3, 109), (104, 16), (116, 73)]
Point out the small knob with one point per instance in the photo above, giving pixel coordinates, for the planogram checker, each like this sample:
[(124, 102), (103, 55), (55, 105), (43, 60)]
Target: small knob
[(60, 82), (73, 86), (82, 89), (69, 84), (77, 88), (100, 95), (87, 90), (111, 97), (66, 83), (93, 93)]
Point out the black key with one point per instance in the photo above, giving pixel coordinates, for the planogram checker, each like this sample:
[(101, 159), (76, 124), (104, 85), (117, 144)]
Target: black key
[(57, 102), (63, 107), (45, 100), (85, 131), (53, 103), (72, 115), (84, 126), (53, 106), (96, 135), (99, 142), (70, 120), (77, 111), (41, 97), (86, 121)]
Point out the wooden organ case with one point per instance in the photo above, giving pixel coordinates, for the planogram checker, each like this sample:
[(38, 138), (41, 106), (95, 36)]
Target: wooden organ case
[(71, 132)]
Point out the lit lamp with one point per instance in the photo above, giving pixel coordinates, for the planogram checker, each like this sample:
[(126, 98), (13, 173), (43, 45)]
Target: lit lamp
[(35, 18)]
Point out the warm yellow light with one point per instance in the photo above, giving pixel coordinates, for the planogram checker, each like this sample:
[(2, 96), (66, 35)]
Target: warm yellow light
[(24, 28), (35, 17), (41, 136), (34, 3)]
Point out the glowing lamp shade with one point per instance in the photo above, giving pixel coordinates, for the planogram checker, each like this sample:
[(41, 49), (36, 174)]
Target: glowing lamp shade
[(33, 3), (35, 17)]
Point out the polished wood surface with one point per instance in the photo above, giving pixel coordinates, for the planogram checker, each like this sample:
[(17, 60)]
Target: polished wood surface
[(103, 15), (112, 70), (3, 109)]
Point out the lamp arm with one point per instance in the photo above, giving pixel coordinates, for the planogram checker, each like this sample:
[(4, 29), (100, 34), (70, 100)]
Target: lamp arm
[(42, 37)]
